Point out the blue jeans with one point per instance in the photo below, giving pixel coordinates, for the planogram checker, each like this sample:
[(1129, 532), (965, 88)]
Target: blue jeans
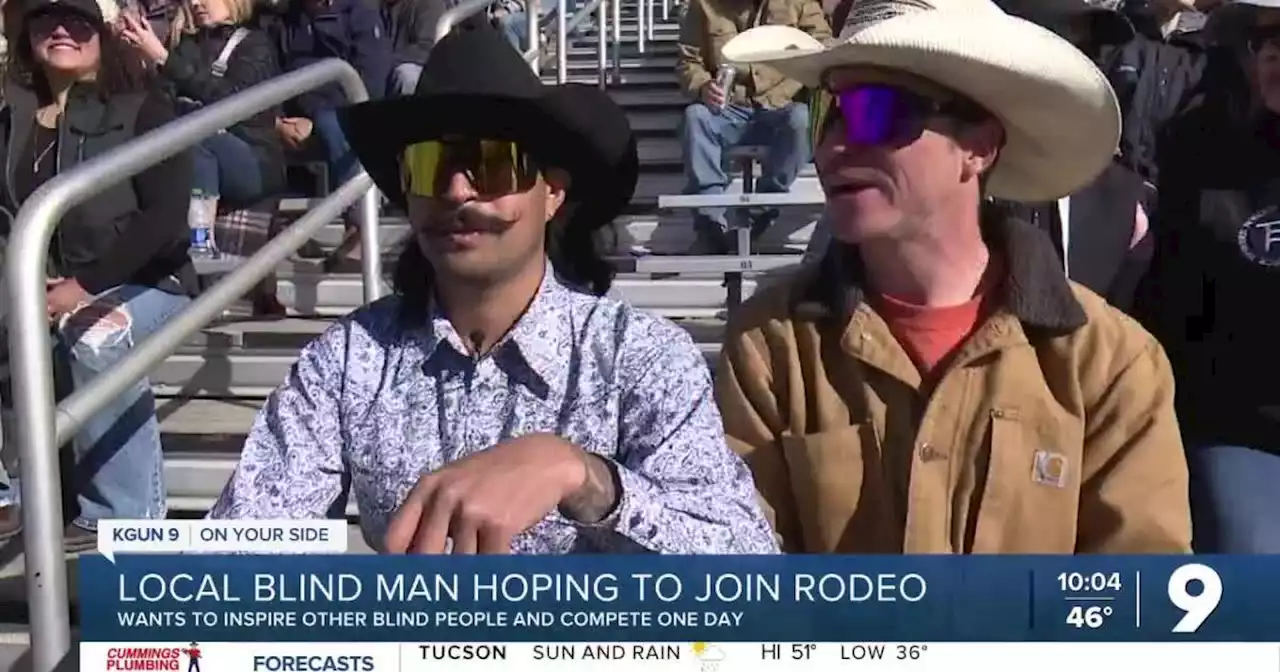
[(119, 463), (1235, 500), (225, 166), (338, 155), (516, 24), (706, 134)]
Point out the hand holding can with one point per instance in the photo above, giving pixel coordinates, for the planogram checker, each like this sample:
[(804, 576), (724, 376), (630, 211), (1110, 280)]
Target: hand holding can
[(724, 82), (713, 96)]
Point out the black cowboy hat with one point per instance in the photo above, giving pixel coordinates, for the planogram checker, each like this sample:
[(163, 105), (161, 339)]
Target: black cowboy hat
[(1108, 23), (474, 84), (90, 9)]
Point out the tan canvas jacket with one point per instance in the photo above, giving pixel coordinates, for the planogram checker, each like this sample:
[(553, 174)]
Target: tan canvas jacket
[(1052, 430)]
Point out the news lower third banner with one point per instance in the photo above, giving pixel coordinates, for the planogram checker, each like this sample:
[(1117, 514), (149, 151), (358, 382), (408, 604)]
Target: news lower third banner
[(691, 657), (405, 601)]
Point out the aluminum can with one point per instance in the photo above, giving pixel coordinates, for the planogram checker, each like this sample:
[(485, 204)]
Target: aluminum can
[(724, 79)]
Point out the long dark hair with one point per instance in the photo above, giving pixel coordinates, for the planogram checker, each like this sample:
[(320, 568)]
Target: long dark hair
[(119, 68), (570, 245)]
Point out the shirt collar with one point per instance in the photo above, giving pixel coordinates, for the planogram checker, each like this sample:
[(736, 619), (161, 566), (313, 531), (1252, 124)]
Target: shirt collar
[(533, 342)]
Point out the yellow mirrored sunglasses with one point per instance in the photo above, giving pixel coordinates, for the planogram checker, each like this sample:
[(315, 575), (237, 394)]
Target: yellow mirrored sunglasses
[(494, 167)]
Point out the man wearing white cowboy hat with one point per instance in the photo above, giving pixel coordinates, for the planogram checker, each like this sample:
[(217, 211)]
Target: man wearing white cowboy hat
[(935, 384), (498, 402)]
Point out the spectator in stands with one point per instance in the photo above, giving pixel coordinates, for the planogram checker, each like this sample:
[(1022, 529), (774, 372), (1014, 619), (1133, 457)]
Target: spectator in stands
[(1171, 21), (1208, 294), (512, 18), (161, 15), (762, 107), (216, 55), (584, 424), (311, 31), (411, 28), (118, 264), (1100, 231), (935, 385)]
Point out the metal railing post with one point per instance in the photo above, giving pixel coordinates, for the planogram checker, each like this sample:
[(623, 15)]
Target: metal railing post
[(641, 33), (616, 6), (649, 13), (602, 42), (370, 262), (562, 41), (534, 16), (30, 343)]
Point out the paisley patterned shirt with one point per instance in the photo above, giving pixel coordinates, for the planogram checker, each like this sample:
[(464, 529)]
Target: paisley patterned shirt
[(374, 403)]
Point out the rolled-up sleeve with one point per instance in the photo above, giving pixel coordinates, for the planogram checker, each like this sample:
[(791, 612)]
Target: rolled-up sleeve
[(292, 464), (683, 490)]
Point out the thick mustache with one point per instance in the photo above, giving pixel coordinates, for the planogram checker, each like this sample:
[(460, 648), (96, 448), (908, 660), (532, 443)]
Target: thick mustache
[(465, 220)]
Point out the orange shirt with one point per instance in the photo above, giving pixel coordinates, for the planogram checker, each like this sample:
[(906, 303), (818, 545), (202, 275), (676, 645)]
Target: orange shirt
[(932, 334)]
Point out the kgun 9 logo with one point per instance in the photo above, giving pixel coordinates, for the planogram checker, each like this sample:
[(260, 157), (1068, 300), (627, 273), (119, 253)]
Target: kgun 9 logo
[(1196, 608)]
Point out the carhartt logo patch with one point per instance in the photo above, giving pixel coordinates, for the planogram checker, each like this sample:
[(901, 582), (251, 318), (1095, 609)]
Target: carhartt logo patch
[(1050, 469)]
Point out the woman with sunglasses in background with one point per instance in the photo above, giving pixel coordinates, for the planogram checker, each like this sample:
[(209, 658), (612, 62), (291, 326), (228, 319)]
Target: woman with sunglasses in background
[(935, 384), (118, 265), (499, 402), (1210, 295)]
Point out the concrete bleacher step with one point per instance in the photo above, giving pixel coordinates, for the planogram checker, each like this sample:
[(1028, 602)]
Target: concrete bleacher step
[(668, 231), (661, 63), (651, 185), (642, 77), (648, 98), (662, 32), (584, 47), (338, 294)]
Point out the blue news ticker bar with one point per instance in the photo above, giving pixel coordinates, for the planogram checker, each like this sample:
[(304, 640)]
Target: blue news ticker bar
[(665, 598)]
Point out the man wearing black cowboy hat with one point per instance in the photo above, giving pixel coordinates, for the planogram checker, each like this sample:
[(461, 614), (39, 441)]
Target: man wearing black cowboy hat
[(499, 403)]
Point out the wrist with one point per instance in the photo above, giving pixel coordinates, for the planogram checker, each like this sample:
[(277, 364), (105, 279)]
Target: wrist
[(597, 492)]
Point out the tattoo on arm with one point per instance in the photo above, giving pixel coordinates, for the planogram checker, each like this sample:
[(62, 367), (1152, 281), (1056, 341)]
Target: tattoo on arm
[(598, 497)]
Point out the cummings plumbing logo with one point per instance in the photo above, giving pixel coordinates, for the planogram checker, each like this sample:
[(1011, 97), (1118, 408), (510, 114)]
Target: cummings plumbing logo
[(154, 658)]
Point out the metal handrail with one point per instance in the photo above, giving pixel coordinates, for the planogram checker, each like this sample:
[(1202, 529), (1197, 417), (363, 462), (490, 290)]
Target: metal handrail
[(601, 10), (39, 425)]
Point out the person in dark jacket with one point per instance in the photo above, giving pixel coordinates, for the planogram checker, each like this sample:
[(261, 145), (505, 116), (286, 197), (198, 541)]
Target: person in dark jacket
[(118, 266), (411, 28), (311, 31), (1100, 230), (215, 55), (1154, 75), (1209, 297)]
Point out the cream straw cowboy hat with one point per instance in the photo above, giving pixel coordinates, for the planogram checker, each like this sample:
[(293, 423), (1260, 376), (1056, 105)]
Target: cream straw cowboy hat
[(1060, 116)]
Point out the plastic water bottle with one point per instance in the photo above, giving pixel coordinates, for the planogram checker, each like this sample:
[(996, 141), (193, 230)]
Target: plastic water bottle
[(200, 218)]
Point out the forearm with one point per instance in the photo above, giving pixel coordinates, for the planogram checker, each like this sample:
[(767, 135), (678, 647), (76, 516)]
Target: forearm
[(682, 517)]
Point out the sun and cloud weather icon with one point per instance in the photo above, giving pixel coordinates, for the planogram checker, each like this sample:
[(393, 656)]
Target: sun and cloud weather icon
[(708, 654)]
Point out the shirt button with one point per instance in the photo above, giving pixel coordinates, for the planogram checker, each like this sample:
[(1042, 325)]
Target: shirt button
[(928, 453)]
